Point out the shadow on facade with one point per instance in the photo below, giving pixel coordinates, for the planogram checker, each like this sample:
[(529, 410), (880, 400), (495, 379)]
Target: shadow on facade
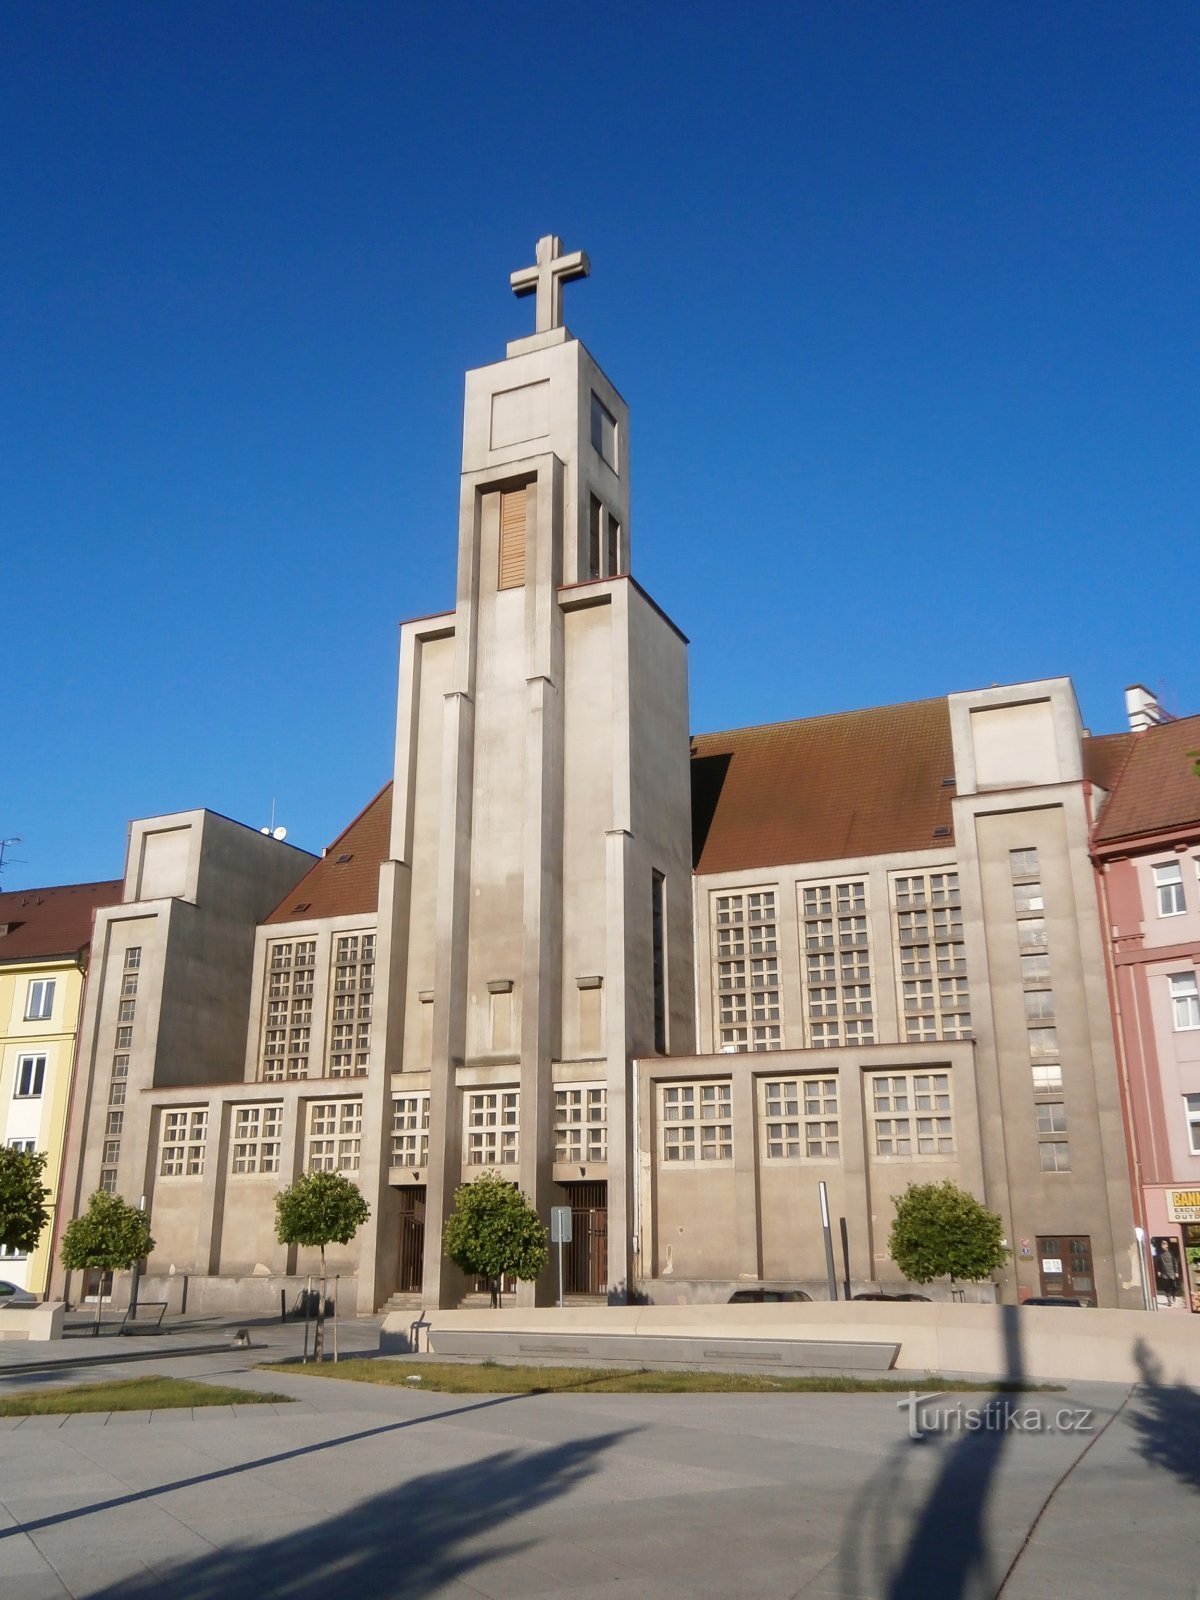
[(407, 1541), (911, 1539), (1166, 1420)]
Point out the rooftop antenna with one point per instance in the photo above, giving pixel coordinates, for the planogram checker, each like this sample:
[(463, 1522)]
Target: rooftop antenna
[(4, 844), (271, 830)]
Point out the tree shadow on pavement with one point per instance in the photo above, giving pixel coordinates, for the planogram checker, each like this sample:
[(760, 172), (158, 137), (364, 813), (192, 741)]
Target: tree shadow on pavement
[(907, 1539), (1166, 1419), (413, 1539)]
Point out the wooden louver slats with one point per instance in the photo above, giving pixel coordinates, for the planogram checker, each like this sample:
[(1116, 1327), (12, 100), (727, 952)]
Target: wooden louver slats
[(512, 538)]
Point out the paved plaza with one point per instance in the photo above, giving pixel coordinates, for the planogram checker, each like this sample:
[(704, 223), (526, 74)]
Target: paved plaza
[(366, 1493)]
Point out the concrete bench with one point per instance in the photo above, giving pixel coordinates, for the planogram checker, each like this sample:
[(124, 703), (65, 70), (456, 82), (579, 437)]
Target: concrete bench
[(781, 1355)]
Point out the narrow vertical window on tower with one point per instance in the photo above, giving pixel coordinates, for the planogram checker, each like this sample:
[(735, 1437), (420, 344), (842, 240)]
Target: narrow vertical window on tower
[(512, 538), (595, 514), (612, 564), (658, 940)]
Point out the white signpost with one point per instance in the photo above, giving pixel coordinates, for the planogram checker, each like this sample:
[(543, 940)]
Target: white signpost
[(560, 1234)]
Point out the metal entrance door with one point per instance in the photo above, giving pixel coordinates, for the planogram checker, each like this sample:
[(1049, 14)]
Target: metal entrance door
[(1066, 1269), (412, 1238), (585, 1259)]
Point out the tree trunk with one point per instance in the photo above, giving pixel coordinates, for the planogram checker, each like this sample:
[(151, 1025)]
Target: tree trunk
[(99, 1301), (319, 1336)]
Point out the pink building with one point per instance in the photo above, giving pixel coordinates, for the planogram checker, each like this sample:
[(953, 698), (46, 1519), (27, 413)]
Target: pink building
[(1146, 846)]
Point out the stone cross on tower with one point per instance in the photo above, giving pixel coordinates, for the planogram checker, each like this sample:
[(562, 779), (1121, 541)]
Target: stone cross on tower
[(546, 280)]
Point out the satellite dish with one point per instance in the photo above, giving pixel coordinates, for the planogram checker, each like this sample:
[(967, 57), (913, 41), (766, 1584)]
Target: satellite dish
[(279, 833)]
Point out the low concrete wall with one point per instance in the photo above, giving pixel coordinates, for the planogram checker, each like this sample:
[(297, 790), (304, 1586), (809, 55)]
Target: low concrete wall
[(205, 1295), (43, 1321), (1038, 1342), (716, 1291)]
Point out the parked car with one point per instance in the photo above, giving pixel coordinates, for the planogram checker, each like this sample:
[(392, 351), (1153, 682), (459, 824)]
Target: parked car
[(11, 1294), (924, 1297), (1052, 1300), (746, 1297)]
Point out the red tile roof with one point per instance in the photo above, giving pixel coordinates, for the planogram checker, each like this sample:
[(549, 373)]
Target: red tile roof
[(1104, 755), (346, 879), (52, 922), (1157, 789), (857, 783)]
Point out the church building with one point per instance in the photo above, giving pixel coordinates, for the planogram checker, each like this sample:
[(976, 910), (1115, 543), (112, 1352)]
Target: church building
[(674, 983)]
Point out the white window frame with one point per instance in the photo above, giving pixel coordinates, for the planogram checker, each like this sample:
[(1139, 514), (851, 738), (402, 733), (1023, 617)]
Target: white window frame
[(256, 1138), (1191, 1111), (1185, 1001), (334, 1136), (799, 1119), (181, 1145), (39, 999), (910, 1108), (29, 1081), (696, 1122), (410, 1130), (580, 1122), (492, 1119), (1168, 889)]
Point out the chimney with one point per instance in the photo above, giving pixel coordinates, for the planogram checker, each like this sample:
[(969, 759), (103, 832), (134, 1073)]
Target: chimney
[(1143, 709)]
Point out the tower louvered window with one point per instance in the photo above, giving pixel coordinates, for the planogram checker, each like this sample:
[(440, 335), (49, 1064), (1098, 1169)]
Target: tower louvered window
[(512, 538)]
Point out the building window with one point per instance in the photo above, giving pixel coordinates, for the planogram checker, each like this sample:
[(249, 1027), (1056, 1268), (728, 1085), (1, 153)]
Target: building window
[(183, 1138), (595, 514), (1043, 1042), (837, 964), (288, 1022), (125, 1010), (31, 1077), (912, 1114), (1035, 969), (334, 1136), (1028, 899), (1024, 863), (1051, 1116), (115, 1124), (1055, 1155), (39, 999), (749, 1015), (493, 1126), (1191, 1104), (1039, 1005), (513, 510), (111, 1152), (1168, 881), (352, 984), (927, 921), (410, 1130), (124, 1039), (1031, 934), (658, 922), (581, 1122), (697, 1121), (257, 1134), (133, 958), (800, 1118), (108, 1180), (1185, 1000), (120, 1066), (116, 1092), (1047, 1077)]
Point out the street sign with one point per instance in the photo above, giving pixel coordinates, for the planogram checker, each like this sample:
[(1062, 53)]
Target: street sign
[(560, 1224)]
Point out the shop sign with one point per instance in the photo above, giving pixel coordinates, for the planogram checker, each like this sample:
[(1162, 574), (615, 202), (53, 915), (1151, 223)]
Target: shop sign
[(1183, 1205)]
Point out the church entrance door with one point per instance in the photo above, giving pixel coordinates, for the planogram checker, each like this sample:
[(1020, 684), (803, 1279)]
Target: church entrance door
[(412, 1238), (585, 1259)]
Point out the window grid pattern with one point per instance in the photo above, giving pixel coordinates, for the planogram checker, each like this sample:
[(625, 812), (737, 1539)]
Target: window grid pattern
[(287, 1027), (581, 1122), (410, 1130), (334, 1136), (493, 1127), (1168, 887), (799, 1118), (257, 1138), (696, 1120), (1185, 1000), (747, 970), (935, 1000), (352, 986), (912, 1113), (837, 964), (184, 1134)]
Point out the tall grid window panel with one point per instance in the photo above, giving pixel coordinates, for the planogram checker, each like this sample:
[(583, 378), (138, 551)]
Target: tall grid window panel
[(287, 1026), (1168, 887), (334, 1136), (747, 970), (581, 1122), (912, 1114), (837, 963), (183, 1138), (935, 999), (493, 1127), (410, 1130), (257, 1135), (353, 981), (696, 1121), (799, 1117)]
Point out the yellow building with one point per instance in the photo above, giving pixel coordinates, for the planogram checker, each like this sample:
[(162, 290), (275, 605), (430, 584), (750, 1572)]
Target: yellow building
[(44, 940)]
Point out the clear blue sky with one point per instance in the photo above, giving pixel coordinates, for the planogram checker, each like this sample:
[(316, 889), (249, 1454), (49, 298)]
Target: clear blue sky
[(902, 296)]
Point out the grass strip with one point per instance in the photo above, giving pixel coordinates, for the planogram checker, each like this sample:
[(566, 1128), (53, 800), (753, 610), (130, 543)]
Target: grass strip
[(147, 1393), (490, 1377)]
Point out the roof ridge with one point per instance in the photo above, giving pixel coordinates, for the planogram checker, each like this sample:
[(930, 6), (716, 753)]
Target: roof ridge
[(823, 716)]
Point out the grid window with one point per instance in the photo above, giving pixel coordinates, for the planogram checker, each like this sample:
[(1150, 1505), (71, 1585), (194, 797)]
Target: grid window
[(129, 985), (1035, 969), (120, 1066), (581, 1123), (410, 1130), (39, 999), (116, 1092), (115, 1124), (133, 958), (111, 1152), (1039, 1005), (287, 1029), (927, 926), (747, 970), (837, 963), (1028, 899), (334, 1136), (493, 1127), (1055, 1155), (1191, 1106), (125, 1010), (1024, 863), (124, 1040), (1185, 1000), (1168, 883), (1051, 1116), (257, 1133), (1043, 1042), (31, 1077), (696, 1121), (800, 1118), (352, 983), (1047, 1077), (1031, 934), (183, 1137), (108, 1180), (912, 1113)]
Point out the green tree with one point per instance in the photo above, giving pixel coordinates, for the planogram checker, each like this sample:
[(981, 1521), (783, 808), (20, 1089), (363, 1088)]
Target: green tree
[(941, 1231), (493, 1231), (110, 1237), (320, 1208), (23, 1209)]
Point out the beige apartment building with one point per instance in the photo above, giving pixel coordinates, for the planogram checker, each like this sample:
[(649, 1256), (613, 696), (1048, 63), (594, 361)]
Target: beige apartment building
[(671, 983)]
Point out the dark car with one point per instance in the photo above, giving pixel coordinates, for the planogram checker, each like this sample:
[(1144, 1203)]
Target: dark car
[(924, 1297), (746, 1297), (1052, 1300)]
